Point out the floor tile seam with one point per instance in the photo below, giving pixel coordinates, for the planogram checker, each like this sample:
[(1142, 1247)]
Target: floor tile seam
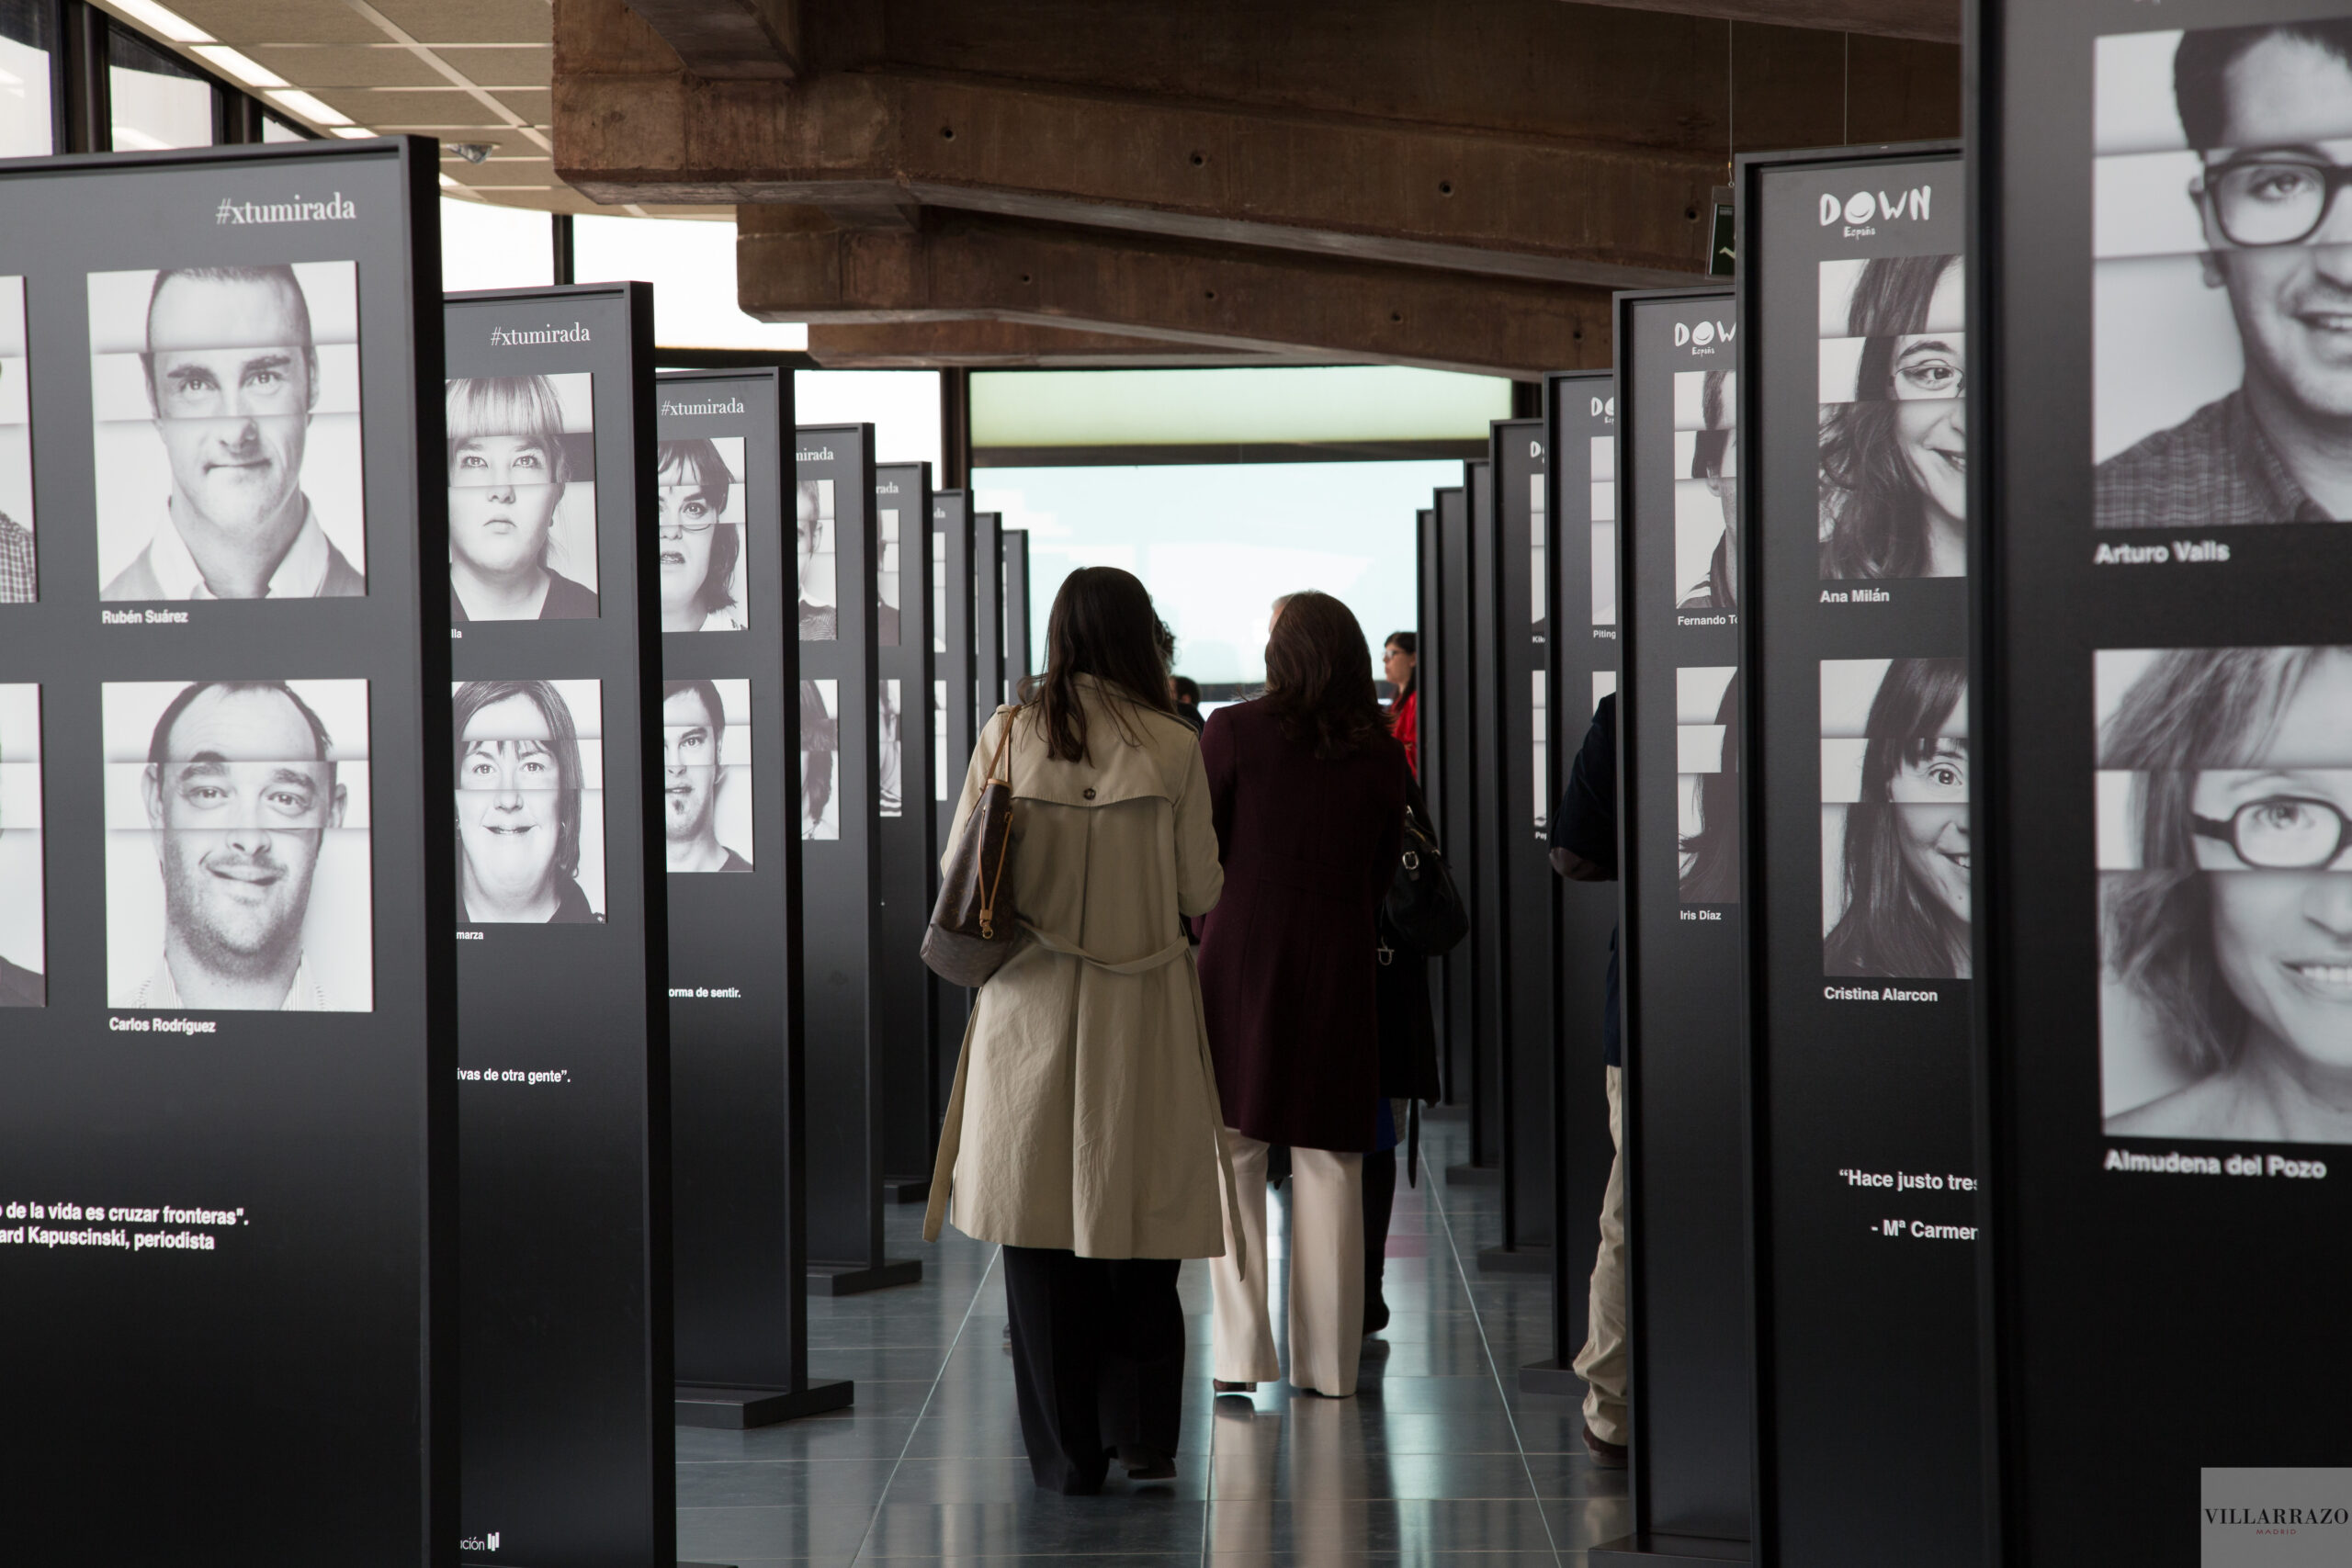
[(1510, 1416), (964, 1322)]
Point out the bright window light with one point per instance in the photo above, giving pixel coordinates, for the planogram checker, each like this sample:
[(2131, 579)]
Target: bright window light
[(901, 405), (353, 132), (691, 264), (252, 73), (164, 23), (313, 109), (484, 246)]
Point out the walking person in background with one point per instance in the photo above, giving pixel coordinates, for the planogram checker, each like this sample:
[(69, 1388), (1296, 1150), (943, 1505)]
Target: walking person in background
[(1083, 1129), (1308, 788), (1400, 662)]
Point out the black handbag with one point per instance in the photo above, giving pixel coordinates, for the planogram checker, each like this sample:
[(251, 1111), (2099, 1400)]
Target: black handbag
[(1422, 904), (973, 927)]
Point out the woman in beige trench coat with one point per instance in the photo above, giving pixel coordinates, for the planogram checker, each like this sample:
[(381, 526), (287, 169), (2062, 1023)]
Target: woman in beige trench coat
[(1084, 1131)]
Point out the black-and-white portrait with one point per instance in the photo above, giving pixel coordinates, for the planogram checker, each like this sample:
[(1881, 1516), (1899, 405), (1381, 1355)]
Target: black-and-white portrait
[(1603, 520), (1706, 783), (820, 744), (885, 577), (226, 429), (23, 943), (1604, 683), (700, 533), (530, 798), (237, 871), (887, 781), (1893, 430), (2225, 847), (707, 774), (20, 577), (2223, 276), (815, 526), (1706, 499), (522, 498), (1894, 855), (1540, 746)]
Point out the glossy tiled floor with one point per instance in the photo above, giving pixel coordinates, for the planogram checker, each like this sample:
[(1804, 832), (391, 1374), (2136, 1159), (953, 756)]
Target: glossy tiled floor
[(1437, 1458)]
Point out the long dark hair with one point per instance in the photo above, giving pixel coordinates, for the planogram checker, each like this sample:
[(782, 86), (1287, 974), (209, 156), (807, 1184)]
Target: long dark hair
[(1102, 625), (1873, 517), (1709, 449), (1319, 677), (1410, 642), (1713, 876), (1893, 926)]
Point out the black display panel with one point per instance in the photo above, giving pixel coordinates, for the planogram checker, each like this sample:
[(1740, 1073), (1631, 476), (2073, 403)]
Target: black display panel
[(988, 622), (1684, 1013), (1480, 850), (1427, 765), (1013, 544), (1581, 498), (228, 1119), (1862, 1168), (563, 1038), (730, 735), (953, 737), (908, 872), (841, 818), (1452, 763), (2165, 709)]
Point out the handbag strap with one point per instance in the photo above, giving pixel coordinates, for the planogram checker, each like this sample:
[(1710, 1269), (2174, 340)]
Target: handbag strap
[(993, 880)]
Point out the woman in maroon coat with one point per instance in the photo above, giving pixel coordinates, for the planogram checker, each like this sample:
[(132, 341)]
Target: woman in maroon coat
[(1307, 791)]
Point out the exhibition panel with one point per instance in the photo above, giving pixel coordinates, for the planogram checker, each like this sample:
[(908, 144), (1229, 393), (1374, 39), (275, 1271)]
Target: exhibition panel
[(954, 734), (729, 721), (1518, 792), (988, 625), (1478, 852), (841, 819), (906, 868), (1454, 762), (1684, 1016), (1428, 723), (228, 1126), (563, 1070), (1014, 558), (2167, 704), (1581, 497), (1861, 1159)]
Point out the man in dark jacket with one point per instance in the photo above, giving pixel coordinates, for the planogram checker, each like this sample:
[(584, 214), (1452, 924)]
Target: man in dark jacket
[(1583, 849)]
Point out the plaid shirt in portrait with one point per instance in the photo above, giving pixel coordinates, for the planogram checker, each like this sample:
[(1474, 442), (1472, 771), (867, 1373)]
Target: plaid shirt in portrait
[(17, 583), (2214, 469)]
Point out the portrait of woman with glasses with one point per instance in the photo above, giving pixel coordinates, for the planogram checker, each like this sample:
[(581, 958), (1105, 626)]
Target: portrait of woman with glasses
[(701, 546), (1898, 895), (1895, 439), (2225, 847)]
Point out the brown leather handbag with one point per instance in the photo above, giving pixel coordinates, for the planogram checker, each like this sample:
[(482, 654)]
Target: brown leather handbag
[(974, 926)]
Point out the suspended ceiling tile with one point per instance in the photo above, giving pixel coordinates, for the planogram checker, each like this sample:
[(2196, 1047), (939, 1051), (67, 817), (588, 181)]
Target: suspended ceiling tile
[(470, 21), (242, 22), (335, 66)]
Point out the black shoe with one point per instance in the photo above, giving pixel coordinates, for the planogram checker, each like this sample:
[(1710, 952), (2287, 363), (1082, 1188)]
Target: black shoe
[(1605, 1454), (1147, 1464), (1375, 1316), (1225, 1387)]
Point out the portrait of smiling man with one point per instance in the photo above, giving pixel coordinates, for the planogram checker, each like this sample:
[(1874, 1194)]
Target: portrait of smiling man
[(240, 790), (231, 376), (694, 732), (2267, 112)]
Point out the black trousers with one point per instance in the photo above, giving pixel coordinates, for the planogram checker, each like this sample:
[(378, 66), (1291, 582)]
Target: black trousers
[(1098, 1360), (1379, 1201)]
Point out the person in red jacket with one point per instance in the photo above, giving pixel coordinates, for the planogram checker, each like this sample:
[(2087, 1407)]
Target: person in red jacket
[(1400, 662)]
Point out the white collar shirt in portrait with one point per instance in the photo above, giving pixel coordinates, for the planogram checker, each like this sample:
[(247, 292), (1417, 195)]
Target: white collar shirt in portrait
[(158, 991), (302, 574)]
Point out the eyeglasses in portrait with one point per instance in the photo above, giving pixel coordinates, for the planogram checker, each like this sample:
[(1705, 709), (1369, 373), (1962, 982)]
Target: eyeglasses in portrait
[(23, 908), (522, 498), (225, 431), (2222, 276), (20, 576), (813, 504), (820, 744), (1706, 490), (1894, 847), (530, 798), (2224, 853), (1706, 783), (1893, 428), (707, 774), (238, 869), (699, 529)]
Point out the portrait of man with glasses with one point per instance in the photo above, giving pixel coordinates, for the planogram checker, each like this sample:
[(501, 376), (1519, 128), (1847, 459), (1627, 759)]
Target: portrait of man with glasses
[(2247, 182)]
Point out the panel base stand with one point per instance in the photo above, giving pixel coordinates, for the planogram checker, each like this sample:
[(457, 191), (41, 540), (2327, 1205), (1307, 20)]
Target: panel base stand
[(906, 1190), (1515, 1260), (1666, 1552), (1551, 1377), (739, 1409), (857, 1279), (1473, 1176)]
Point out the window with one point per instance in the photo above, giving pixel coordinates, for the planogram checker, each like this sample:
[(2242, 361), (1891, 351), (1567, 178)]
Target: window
[(159, 100), (25, 124)]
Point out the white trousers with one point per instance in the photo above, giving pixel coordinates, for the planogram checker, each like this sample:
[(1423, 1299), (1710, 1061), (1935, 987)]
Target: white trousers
[(1602, 1362), (1325, 1272)]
